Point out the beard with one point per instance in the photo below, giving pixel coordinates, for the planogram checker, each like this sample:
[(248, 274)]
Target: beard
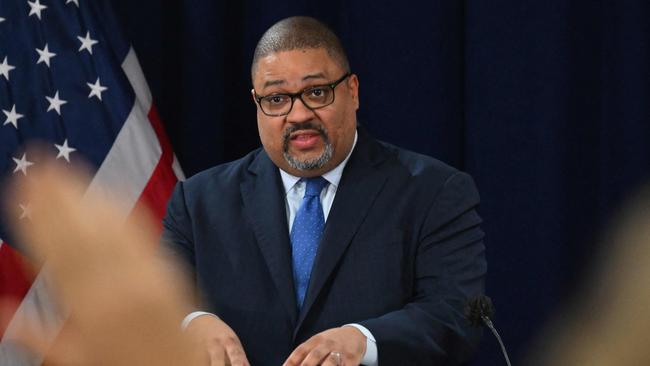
[(307, 164)]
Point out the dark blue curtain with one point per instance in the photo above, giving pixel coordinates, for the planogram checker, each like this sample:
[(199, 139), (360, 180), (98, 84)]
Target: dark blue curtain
[(545, 103)]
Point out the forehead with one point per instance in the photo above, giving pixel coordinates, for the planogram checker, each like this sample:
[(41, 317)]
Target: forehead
[(295, 67)]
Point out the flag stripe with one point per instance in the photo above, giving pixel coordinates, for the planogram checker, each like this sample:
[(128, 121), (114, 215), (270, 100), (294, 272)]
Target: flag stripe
[(163, 179), (136, 151), (134, 74), (15, 279), (37, 314)]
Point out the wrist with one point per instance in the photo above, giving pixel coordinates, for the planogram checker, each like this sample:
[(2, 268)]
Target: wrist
[(370, 352)]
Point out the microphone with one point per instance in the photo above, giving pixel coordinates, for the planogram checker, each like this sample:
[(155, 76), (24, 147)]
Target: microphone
[(479, 310)]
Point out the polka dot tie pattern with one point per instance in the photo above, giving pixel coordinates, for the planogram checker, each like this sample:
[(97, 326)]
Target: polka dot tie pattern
[(305, 235)]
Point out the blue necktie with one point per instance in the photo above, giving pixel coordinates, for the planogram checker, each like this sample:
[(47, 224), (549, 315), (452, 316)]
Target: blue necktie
[(306, 232)]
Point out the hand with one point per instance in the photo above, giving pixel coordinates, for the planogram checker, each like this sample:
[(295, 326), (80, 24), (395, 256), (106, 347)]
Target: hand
[(322, 348), (122, 304), (218, 340)]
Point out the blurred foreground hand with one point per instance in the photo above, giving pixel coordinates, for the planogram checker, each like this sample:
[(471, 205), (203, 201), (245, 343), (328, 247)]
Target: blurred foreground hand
[(609, 321), (125, 305)]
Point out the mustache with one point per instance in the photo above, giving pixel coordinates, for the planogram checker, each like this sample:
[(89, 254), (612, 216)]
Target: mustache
[(308, 125)]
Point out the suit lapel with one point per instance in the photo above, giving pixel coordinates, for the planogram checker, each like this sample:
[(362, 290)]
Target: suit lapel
[(264, 204), (359, 186)]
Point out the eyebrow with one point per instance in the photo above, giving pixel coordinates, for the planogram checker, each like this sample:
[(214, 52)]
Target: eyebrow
[(268, 83)]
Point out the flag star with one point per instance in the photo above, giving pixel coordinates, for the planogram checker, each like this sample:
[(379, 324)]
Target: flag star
[(5, 68), (36, 8), (2, 19), (22, 164), (12, 116), (27, 211), (87, 43), (55, 103), (76, 2), (64, 150), (45, 55), (96, 89)]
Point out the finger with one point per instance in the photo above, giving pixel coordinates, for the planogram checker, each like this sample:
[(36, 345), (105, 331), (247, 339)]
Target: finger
[(68, 348), (57, 347), (217, 356), (46, 202), (235, 352), (298, 355), (316, 356), (333, 359), (60, 200)]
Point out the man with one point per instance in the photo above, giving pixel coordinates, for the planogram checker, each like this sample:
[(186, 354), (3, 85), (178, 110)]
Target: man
[(326, 246)]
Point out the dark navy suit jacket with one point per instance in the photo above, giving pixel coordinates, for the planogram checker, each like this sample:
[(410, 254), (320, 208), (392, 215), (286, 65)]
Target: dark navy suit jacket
[(401, 253)]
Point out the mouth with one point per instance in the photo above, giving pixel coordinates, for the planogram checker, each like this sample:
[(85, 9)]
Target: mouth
[(309, 144), (305, 139)]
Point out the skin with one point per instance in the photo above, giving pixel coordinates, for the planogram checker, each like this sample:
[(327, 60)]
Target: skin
[(58, 215), (317, 350), (220, 343), (129, 317), (293, 71), (124, 317), (290, 72)]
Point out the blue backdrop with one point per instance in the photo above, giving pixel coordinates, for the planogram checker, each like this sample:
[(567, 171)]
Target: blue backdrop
[(545, 103)]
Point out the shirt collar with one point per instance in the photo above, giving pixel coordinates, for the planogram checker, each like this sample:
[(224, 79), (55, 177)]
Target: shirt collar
[(333, 176)]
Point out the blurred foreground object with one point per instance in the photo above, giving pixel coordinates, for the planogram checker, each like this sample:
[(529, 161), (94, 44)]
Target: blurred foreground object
[(70, 80), (609, 323), (125, 304)]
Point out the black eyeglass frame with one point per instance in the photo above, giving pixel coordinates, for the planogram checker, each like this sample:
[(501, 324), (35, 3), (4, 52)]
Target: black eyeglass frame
[(293, 96)]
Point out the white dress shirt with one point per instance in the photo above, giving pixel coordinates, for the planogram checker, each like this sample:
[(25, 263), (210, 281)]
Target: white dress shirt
[(295, 191)]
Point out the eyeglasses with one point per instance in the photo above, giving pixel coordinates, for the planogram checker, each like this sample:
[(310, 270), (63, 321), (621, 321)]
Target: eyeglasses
[(314, 97)]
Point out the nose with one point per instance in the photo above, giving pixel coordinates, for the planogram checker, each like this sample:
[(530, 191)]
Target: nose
[(299, 112)]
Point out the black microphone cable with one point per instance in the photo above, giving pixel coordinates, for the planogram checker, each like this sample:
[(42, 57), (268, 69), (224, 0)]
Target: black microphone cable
[(480, 310)]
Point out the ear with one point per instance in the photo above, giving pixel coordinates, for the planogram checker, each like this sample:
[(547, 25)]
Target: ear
[(254, 98), (353, 87)]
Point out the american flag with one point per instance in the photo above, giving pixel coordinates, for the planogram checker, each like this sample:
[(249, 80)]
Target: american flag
[(69, 77)]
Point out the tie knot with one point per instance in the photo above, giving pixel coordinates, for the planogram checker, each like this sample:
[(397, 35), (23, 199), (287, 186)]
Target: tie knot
[(314, 186)]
